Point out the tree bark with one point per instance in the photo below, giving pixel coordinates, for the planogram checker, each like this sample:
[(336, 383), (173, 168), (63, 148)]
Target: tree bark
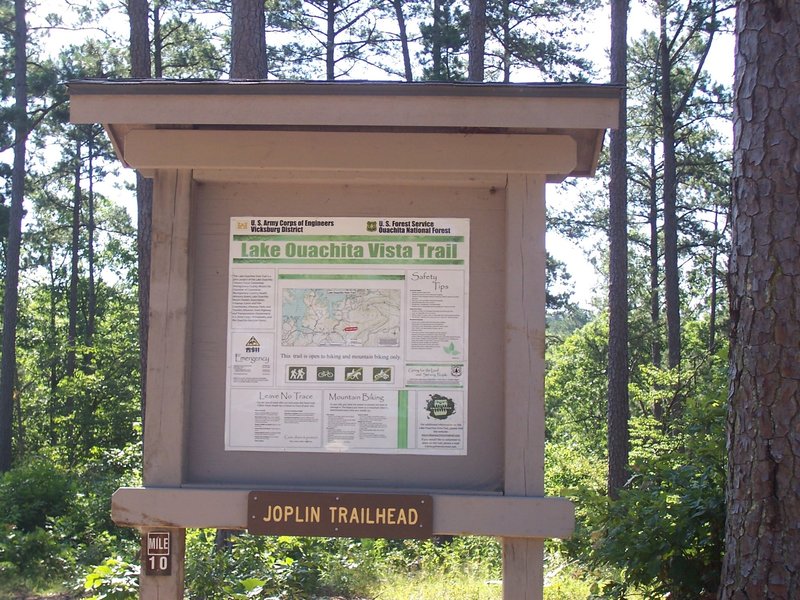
[(762, 541), (712, 317), (91, 292), (655, 301), (52, 401), (248, 40), (158, 42), (618, 407), (72, 297), (506, 41), (330, 40), (140, 67), (670, 192), (436, 43), (139, 38), (8, 365), (401, 26), (477, 39)]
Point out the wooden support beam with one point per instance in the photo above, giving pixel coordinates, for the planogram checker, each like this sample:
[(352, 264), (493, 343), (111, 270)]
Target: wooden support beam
[(493, 515), (168, 361), (524, 374), (168, 349), (385, 152)]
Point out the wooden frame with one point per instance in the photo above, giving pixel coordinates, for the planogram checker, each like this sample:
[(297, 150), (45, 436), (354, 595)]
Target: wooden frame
[(512, 139)]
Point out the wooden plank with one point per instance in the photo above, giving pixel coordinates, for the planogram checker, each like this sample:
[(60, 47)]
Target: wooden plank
[(525, 331), (524, 374), (523, 569), (351, 178), (492, 515), (168, 362), (351, 110), (389, 152)]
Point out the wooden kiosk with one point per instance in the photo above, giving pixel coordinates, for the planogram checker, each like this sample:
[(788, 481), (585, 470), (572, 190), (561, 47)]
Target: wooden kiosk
[(281, 197)]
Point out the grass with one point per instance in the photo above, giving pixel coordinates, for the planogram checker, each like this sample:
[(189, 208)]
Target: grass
[(451, 586), (564, 583)]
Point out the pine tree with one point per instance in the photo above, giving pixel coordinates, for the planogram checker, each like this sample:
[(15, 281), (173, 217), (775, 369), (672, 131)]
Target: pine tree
[(8, 366), (762, 541)]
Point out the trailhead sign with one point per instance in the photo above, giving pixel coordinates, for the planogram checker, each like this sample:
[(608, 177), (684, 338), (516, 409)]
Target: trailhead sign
[(347, 308), (348, 334)]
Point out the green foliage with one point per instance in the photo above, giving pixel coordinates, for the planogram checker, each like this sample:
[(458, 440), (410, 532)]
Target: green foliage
[(537, 35), (290, 566), (565, 580), (294, 567), (32, 496), (114, 579), (444, 38), (453, 586), (664, 534), (33, 492), (52, 527), (575, 389)]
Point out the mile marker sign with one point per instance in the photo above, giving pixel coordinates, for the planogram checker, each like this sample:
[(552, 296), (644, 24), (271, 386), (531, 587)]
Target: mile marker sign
[(157, 553)]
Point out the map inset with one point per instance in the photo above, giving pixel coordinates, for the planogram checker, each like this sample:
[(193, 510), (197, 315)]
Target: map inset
[(368, 318)]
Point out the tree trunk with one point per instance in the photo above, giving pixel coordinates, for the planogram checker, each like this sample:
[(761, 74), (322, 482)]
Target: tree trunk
[(139, 38), (158, 42), (712, 318), (140, 67), (72, 296), (671, 277), (248, 40), (401, 26), (655, 301), (618, 407), (762, 536), (91, 295), (477, 39), (52, 402), (436, 42), (330, 41), (8, 367), (506, 42)]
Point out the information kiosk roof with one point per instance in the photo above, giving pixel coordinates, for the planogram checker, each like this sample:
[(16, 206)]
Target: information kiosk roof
[(580, 111)]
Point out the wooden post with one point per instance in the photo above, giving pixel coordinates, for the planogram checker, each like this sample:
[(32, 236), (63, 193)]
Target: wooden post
[(524, 374), (168, 363)]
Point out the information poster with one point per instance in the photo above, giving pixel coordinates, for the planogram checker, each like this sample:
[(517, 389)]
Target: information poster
[(348, 334)]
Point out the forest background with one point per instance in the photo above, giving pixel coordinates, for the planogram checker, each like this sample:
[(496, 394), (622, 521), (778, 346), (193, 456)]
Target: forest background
[(74, 419)]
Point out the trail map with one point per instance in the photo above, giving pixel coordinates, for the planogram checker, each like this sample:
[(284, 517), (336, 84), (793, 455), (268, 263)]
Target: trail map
[(340, 317), (348, 334)]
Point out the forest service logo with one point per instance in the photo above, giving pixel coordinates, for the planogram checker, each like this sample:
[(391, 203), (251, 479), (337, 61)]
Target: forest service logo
[(440, 407), (372, 226)]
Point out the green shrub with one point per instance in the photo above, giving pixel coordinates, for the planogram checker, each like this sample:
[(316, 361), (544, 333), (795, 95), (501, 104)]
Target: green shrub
[(665, 533), (32, 559), (33, 492), (115, 579)]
